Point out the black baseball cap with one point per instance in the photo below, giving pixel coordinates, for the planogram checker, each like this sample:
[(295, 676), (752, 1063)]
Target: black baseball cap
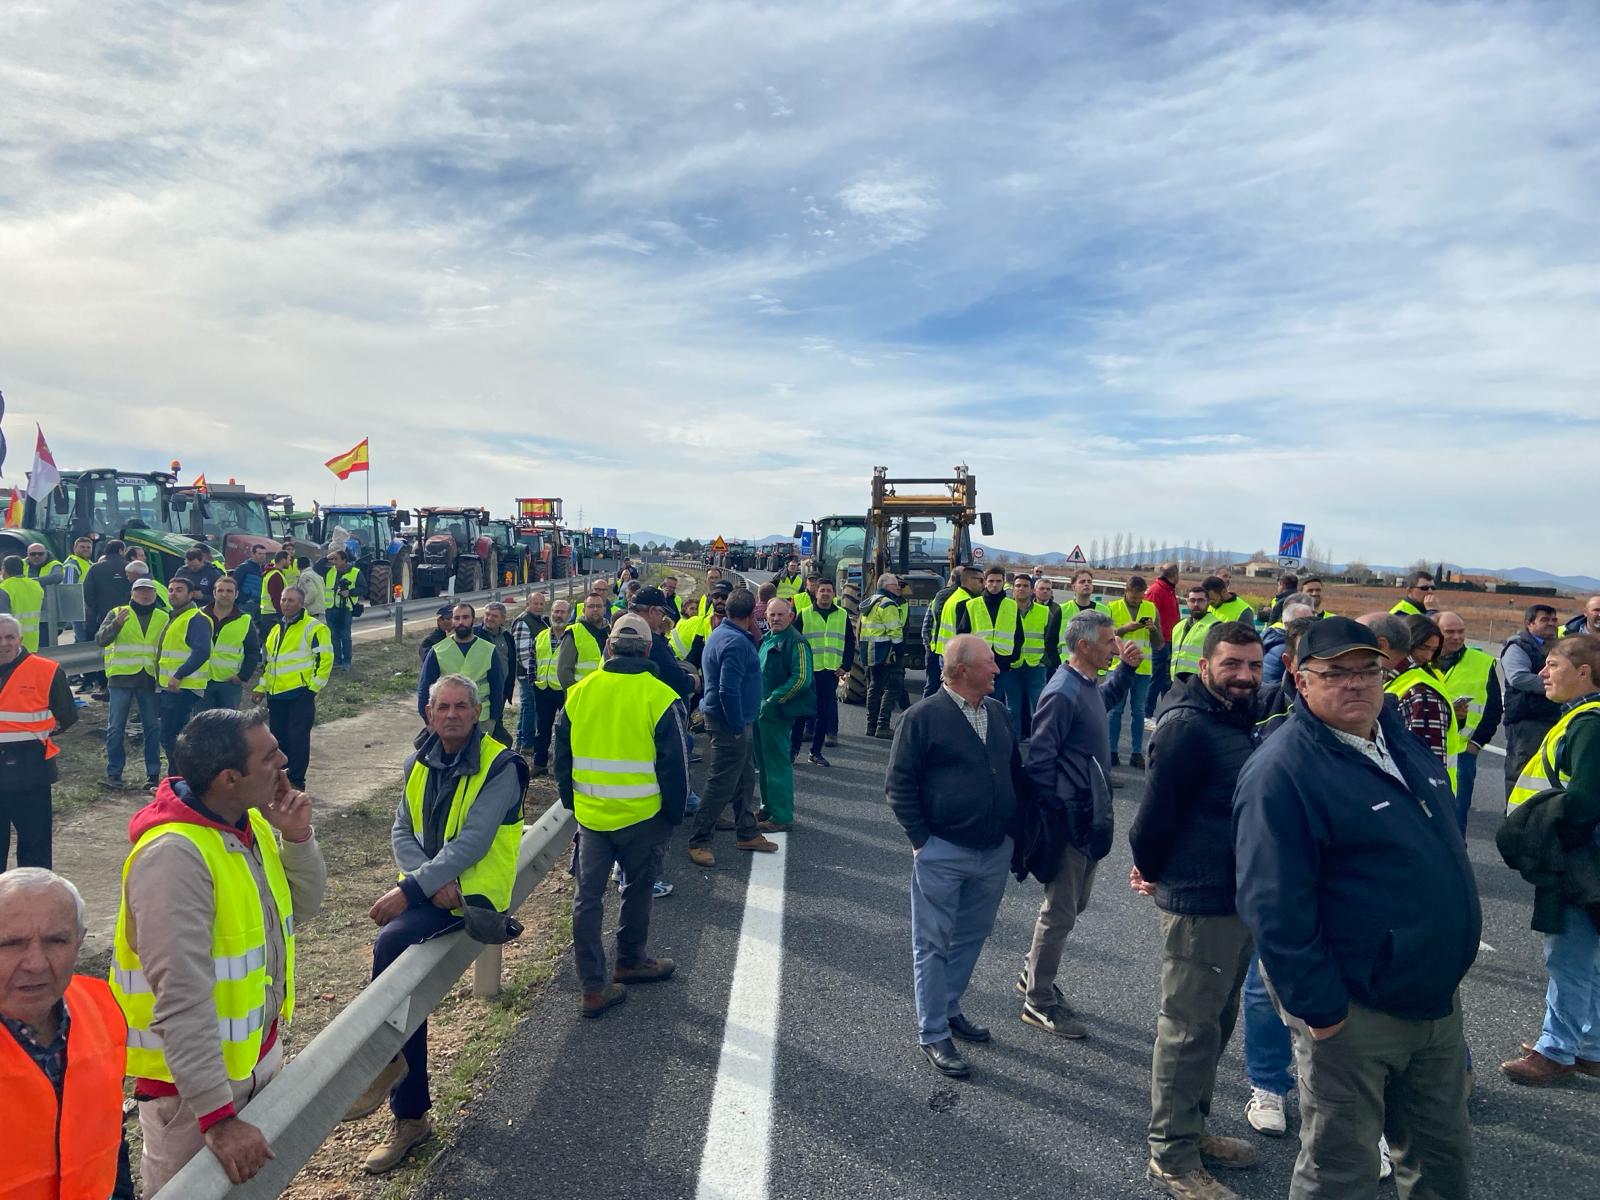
[(1333, 636), (722, 588), (649, 598), (444, 610)]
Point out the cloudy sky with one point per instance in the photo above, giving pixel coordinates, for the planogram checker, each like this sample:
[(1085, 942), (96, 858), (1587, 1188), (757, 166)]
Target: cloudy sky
[(1184, 271)]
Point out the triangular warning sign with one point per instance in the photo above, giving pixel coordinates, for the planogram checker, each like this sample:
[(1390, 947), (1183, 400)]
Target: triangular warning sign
[(1076, 558)]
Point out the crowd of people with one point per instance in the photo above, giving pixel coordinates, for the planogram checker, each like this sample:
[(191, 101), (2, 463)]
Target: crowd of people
[(1281, 825)]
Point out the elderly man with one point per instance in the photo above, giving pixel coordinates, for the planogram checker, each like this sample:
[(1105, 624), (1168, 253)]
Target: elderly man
[(1529, 713), (621, 764), (295, 665), (1342, 821), (63, 1044), (1471, 678), (1069, 761), (883, 629), (952, 783), (1272, 641), (650, 606), (35, 702), (1419, 587), (466, 652), (456, 835), (224, 867), (138, 569), (786, 696)]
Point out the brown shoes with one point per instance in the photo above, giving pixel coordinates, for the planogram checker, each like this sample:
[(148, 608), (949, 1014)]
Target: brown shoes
[(775, 826), (1234, 1154), (1199, 1184), (651, 970), (378, 1090), (1535, 1070), (595, 1003), (762, 845), (1586, 1066), (701, 857)]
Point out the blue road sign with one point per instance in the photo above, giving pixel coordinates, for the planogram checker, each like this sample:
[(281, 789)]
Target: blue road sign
[(805, 543), (1292, 541), (611, 533)]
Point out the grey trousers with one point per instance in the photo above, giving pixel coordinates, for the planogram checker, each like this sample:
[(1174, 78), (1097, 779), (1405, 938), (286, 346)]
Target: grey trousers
[(1065, 897), (955, 894), (1381, 1074), (730, 779), (1203, 964), (635, 850), (171, 1130)]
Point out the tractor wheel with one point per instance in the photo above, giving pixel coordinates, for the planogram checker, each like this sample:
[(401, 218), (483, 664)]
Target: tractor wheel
[(379, 584), (468, 571), (853, 683)]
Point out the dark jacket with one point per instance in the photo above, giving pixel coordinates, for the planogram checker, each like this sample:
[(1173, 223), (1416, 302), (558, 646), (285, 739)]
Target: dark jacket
[(672, 756), (732, 677), (1273, 642), (1523, 703), (1069, 760), (1550, 839), (505, 654), (1182, 837), (1355, 887), (200, 582), (105, 586), (930, 619), (668, 669), (248, 576), (1052, 639), (943, 783)]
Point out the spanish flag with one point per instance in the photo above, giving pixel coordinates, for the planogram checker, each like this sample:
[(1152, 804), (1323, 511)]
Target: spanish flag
[(199, 484), (347, 464), (14, 510)]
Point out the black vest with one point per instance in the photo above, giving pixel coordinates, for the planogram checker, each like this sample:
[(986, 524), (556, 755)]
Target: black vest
[(1525, 706)]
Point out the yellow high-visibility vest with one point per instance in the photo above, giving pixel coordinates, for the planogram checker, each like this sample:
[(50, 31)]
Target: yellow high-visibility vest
[(27, 603), (1188, 643), (1034, 623), (1230, 610), (589, 656), (790, 586), (1120, 617), (1532, 779), (544, 654), (883, 619), (824, 633), (1454, 741), (267, 607), (493, 875), (1470, 678), (613, 718), (301, 658), (944, 628), (473, 662), (1000, 632), (227, 646), (175, 652), (136, 649), (238, 953)]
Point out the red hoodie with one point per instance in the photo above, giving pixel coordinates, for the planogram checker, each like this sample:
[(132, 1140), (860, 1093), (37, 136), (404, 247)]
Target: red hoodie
[(174, 803)]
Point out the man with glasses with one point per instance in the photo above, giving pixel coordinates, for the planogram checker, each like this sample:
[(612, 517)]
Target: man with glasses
[(1419, 588), (1341, 821)]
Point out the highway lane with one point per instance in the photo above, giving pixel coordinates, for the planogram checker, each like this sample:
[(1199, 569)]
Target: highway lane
[(619, 1107)]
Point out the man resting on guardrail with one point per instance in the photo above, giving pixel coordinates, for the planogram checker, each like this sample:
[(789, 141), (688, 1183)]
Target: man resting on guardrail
[(456, 836), (224, 866)]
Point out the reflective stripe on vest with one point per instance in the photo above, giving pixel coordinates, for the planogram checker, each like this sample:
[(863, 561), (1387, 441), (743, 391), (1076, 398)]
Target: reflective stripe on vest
[(683, 634), (65, 1148), (267, 607), (493, 875), (999, 631), (1120, 617), (474, 663), (824, 633), (175, 652), (300, 658), (612, 718), (136, 648), (25, 714), (1533, 779), (227, 647), (1034, 622), (589, 656), (1188, 643), (945, 627), (238, 952), (883, 620), (1470, 678), (1453, 739), (27, 602), (545, 656)]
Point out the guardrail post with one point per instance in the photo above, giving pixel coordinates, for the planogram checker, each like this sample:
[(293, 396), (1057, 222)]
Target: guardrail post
[(486, 974), (399, 622)]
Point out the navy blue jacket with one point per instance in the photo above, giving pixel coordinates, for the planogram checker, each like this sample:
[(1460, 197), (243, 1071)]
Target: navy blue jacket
[(732, 669), (1069, 756), (1355, 887)]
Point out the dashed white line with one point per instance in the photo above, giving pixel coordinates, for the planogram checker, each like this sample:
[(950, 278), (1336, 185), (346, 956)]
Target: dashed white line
[(735, 1162)]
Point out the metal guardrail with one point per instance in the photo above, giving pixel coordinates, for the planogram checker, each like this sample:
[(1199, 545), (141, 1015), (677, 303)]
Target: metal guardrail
[(299, 1109)]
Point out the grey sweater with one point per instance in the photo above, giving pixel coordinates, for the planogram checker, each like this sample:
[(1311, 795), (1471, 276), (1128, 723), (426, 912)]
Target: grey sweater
[(428, 862)]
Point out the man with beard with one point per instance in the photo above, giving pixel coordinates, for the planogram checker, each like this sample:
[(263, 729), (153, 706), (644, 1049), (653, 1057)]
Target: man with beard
[(1182, 842)]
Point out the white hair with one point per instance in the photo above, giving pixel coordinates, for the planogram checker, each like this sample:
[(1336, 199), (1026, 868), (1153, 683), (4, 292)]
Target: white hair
[(16, 625), (1291, 610), (36, 879), (460, 681)]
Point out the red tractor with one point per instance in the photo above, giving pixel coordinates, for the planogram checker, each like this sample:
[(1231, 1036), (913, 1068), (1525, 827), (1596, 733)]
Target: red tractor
[(451, 546)]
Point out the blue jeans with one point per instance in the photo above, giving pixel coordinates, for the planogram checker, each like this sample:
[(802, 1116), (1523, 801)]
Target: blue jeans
[(1268, 1049), (935, 665), (527, 713), (339, 630), (176, 709), (1466, 776), (1572, 1001), (1137, 693), (955, 894), (1023, 684), (1161, 666), (221, 694), (122, 700)]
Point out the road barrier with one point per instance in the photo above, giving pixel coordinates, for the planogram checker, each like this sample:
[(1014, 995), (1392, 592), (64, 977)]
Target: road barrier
[(300, 1108)]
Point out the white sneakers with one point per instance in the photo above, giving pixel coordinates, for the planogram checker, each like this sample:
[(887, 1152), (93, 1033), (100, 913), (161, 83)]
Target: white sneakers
[(1385, 1163), (1264, 1111)]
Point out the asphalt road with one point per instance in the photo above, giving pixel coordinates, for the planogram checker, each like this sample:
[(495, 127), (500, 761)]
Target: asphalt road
[(619, 1107)]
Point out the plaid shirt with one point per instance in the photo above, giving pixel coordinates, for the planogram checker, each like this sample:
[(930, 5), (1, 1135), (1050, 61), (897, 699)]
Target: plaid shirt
[(51, 1059), (525, 631), (976, 717), (1425, 715)]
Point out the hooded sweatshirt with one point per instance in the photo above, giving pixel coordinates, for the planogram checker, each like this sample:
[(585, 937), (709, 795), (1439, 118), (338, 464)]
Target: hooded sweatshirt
[(170, 902)]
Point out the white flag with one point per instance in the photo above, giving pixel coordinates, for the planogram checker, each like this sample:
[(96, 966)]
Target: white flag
[(45, 478)]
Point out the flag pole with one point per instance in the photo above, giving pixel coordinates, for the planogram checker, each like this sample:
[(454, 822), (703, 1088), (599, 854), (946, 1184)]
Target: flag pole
[(368, 474)]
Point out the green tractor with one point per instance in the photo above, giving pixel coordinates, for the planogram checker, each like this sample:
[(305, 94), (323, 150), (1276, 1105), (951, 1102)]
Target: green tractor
[(143, 508), (516, 556), (371, 536)]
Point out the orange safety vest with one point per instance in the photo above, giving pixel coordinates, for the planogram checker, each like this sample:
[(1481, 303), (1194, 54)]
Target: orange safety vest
[(25, 704), (66, 1150)]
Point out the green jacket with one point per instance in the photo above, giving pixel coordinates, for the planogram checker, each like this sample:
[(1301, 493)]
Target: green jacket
[(786, 675)]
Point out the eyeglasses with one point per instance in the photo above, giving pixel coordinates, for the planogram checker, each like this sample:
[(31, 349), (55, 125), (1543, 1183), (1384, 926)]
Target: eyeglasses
[(1339, 677)]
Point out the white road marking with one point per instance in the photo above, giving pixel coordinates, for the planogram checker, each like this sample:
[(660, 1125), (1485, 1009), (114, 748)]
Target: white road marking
[(735, 1162), (1495, 750)]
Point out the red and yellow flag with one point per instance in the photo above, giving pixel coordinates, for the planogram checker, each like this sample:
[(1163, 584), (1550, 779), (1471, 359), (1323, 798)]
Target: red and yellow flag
[(14, 510), (199, 483), (347, 464)]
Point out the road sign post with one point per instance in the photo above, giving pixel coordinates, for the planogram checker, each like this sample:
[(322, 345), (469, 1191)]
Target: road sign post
[(1076, 558), (1291, 545)]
